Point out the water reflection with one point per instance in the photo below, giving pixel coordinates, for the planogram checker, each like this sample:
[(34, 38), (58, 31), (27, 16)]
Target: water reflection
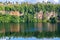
[(14, 27), (38, 30)]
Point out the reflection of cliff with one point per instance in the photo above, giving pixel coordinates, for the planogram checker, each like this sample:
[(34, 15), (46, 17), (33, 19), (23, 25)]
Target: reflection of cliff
[(46, 27), (2, 30), (27, 30), (14, 28), (39, 25), (52, 27)]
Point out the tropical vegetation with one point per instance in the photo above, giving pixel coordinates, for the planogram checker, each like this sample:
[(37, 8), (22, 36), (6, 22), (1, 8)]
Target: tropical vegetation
[(29, 11)]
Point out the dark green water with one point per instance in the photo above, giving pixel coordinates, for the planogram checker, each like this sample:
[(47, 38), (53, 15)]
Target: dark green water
[(30, 31)]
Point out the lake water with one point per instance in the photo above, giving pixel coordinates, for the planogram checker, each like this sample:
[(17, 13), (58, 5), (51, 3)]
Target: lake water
[(29, 31)]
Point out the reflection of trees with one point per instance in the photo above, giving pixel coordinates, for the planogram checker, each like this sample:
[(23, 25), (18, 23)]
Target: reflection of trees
[(58, 26), (22, 27), (30, 34), (29, 27), (39, 30)]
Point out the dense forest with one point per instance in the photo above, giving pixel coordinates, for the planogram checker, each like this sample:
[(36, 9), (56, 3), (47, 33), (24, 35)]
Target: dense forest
[(29, 11)]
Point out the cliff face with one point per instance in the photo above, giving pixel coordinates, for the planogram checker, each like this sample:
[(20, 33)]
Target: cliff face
[(15, 13), (39, 15), (47, 15), (50, 14), (2, 12)]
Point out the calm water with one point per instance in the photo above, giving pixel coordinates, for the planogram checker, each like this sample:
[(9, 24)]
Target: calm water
[(29, 31)]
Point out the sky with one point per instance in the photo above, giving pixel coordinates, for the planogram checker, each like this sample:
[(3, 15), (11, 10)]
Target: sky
[(30, 38), (31, 1)]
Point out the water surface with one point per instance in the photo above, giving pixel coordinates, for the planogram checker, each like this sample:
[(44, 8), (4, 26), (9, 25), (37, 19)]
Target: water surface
[(29, 31)]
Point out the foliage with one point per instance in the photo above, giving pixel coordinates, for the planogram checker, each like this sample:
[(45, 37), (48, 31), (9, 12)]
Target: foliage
[(29, 11)]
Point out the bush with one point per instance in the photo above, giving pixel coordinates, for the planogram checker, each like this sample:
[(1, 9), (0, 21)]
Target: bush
[(52, 20)]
